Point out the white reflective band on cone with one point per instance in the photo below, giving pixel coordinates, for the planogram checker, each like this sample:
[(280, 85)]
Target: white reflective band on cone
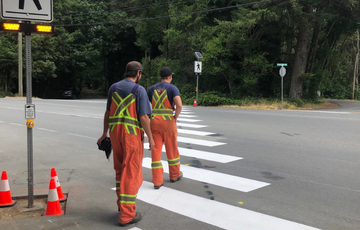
[(56, 181), (4, 186), (53, 196)]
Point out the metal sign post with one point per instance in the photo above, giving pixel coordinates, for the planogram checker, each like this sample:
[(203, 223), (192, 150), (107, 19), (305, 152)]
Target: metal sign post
[(29, 130), (197, 71), (282, 73), (36, 10)]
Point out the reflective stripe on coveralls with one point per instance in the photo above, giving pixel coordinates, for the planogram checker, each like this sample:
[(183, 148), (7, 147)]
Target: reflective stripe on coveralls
[(164, 130), (175, 161), (122, 116), (159, 108), (127, 139)]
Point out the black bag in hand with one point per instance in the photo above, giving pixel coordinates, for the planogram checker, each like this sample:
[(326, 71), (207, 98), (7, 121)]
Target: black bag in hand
[(105, 145)]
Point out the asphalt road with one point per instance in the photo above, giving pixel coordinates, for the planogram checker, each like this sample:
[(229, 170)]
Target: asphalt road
[(243, 169)]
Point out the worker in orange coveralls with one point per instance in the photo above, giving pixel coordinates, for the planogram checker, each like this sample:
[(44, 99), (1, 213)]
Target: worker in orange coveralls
[(165, 98), (127, 114)]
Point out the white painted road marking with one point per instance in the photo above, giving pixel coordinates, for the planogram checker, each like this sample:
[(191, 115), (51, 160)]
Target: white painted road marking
[(187, 120), (181, 115), (192, 132), (199, 142), (16, 124), (213, 212), (190, 125), (220, 179), (185, 112), (48, 130), (220, 158), (77, 135)]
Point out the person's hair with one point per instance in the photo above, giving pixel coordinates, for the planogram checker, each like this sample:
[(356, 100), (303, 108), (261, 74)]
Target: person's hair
[(130, 73), (165, 78)]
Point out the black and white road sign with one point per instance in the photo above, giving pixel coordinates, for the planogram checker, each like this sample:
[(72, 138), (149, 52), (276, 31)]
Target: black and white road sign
[(27, 10), (197, 67)]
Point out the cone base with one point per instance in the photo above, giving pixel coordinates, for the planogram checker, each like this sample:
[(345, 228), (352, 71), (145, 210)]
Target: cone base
[(54, 214), (62, 199), (8, 205), (53, 209)]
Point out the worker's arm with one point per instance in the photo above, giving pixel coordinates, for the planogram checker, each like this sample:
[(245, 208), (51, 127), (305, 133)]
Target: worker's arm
[(178, 107), (106, 127), (145, 123)]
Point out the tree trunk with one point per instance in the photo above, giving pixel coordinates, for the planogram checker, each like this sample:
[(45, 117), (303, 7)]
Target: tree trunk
[(300, 58), (314, 46), (149, 72)]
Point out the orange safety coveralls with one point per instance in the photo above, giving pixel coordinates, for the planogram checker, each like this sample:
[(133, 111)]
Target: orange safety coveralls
[(127, 139), (164, 130)]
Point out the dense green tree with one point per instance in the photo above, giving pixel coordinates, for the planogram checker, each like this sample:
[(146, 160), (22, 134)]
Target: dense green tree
[(241, 42)]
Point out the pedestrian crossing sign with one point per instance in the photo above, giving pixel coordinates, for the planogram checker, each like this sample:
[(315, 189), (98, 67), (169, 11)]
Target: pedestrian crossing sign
[(197, 67)]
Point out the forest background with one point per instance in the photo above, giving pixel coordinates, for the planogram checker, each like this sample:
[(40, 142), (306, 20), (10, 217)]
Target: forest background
[(241, 42)]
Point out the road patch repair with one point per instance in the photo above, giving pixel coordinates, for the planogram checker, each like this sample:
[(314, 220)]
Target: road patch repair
[(18, 207)]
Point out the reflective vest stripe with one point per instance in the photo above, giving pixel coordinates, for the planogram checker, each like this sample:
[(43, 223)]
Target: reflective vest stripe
[(159, 102), (159, 108), (117, 184), (162, 112), (122, 116), (124, 120), (124, 105), (116, 99), (156, 164), (175, 161)]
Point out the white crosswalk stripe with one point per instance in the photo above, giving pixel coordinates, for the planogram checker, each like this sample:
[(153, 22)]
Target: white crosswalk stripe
[(220, 179), (213, 212), (187, 120), (192, 132), (221, 158), (188, 116), (190, 125), (199, 142)]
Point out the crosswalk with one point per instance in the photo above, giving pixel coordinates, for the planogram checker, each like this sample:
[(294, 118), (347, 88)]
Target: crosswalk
[(205, 210)]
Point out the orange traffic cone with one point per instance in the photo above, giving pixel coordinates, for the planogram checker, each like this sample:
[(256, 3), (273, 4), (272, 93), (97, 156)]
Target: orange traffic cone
[(53, 207), (54, 176), (195, 102), (5, 194)]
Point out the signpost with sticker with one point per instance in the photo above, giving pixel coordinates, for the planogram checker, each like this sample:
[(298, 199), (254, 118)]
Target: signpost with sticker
[(28, 10)]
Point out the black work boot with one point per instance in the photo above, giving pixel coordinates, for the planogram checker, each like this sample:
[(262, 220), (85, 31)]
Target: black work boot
[(181, 175), (136, 219)]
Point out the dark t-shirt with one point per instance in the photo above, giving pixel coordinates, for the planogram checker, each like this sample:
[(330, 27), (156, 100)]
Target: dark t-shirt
[(172, 91), (124, 88)]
